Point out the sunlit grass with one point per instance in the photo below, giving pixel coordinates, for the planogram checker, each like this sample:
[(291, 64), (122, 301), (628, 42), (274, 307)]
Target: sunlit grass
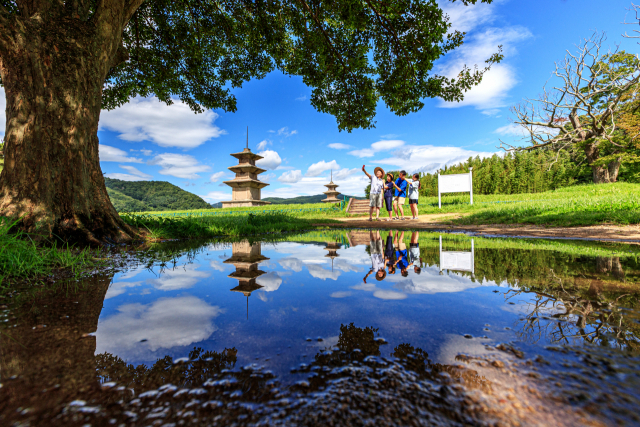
[(22, 259)]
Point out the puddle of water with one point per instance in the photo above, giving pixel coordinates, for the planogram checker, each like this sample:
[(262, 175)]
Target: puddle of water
[(343, 327)]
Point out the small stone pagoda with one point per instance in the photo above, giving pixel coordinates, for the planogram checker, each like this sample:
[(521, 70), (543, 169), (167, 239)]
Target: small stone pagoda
[(332, 193), (245, 186), (246, 258)]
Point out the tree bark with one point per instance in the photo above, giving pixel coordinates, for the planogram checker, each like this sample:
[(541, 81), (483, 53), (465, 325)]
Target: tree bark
[(53, 75), (601, 174)]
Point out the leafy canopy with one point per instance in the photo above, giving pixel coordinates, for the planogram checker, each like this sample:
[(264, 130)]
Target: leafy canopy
[(351, 52)]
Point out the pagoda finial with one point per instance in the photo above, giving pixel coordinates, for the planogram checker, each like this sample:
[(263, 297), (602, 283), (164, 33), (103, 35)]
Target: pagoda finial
[(247, 136), (331, 175)]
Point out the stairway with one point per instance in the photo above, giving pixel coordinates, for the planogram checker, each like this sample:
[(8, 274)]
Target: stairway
[(358, 207)]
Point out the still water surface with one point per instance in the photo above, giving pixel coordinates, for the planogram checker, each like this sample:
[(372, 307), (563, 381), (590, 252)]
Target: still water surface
[(553, 325)]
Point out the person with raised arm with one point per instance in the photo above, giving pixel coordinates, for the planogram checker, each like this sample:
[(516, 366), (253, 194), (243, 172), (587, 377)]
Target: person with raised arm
[(375, 194)]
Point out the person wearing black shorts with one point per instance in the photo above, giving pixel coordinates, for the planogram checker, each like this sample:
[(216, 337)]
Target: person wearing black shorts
[(388, 194)]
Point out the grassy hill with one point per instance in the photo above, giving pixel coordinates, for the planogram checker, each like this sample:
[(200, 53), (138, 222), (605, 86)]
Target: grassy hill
[(139, 196)]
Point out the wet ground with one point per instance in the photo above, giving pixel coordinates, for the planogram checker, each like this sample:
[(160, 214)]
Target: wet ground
[(456, 330)]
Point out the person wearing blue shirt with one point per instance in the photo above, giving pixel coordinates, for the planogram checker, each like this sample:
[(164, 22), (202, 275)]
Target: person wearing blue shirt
[(401, 194)]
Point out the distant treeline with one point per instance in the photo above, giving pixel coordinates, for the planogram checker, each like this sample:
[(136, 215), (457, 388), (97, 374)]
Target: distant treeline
[(139, 196), (522, 172)]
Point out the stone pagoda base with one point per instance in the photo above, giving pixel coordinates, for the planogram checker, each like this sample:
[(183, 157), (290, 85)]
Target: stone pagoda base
[(244, 203)]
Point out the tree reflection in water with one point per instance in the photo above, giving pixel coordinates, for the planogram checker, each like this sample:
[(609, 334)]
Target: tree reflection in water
[(564, 314)]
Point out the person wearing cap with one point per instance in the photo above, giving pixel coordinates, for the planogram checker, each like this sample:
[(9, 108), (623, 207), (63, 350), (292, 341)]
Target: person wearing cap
[(375, 194)]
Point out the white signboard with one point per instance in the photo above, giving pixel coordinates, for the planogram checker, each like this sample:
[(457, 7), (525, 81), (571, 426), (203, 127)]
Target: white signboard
[(457, 183), (459, 261)]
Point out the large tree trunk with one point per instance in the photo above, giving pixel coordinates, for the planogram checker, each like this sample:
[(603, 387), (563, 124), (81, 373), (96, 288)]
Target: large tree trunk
[(601, 174), (53, 77)]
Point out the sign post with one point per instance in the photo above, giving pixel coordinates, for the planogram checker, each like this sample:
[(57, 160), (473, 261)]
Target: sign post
[(458, 183), (458, 261)]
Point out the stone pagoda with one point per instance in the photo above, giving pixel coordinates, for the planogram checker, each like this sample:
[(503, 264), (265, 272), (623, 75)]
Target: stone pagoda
[(245, 186), (332, 193), (246, 258)]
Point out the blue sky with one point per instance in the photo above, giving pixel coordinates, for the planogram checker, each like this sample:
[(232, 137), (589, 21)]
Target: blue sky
[(147, 140)]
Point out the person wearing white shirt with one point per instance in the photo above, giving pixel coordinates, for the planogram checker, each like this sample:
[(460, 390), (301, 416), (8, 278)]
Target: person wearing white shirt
[(375, 194)]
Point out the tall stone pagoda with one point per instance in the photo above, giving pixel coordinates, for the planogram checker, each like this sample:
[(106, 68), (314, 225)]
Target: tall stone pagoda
[(246, 258), (245, 186), (332, 193)]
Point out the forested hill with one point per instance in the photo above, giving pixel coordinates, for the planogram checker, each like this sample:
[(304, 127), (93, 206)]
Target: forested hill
[(137, 196)]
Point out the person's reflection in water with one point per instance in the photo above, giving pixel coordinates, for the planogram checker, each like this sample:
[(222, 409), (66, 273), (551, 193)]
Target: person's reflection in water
[(389, 254), (402, 261), (377, 259), (414, 252)]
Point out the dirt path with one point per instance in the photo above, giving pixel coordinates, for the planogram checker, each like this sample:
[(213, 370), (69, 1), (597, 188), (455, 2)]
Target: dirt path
[(619, 233)]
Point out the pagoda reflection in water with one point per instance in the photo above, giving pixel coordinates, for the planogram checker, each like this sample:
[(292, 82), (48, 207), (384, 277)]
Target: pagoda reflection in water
[(332, 247), (245, 258)]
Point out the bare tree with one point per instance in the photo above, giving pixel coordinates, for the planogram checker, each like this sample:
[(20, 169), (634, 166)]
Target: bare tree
[(583, 108), (635, 9)]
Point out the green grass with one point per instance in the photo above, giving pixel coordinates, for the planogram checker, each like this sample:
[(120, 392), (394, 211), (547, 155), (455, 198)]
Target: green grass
[(22, 259), (305, 210), (579, 205), (591, 204), (195, 226)]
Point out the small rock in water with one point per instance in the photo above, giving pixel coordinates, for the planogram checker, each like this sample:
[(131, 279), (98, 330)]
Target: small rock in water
[(468, 336)]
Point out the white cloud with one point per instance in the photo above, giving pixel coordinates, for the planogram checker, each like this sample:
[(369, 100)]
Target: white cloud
[(339, 146), (179, 278), (514, 129), (3, 108), (216, 176), (364, 152), (179, 165), (384, 145), (133, 175), (317, 168), (291, 177), (340, 294), (389, 295), (270, 282), (146, 152), (428, 158), (148, 119), (216, 196), (301, 98), (466, 18), (267, 177), (263, 144), (118, 288), (271, 160), (387, 144), (285, 132), (344, 173), (113, 154), (165, 323), (496, 84)]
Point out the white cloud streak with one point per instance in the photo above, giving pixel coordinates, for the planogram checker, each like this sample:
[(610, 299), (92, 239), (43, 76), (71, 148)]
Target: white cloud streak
[(271, 160), (148, 119), (179, 165), (108, 153)]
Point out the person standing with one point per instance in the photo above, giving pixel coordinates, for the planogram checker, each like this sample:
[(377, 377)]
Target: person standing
[(375, 194), (414, 194), (388, 194), (401, 194)]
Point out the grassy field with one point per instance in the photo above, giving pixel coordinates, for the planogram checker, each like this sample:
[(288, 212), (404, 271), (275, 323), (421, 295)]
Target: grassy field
[(617, 203), (198, 226)]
